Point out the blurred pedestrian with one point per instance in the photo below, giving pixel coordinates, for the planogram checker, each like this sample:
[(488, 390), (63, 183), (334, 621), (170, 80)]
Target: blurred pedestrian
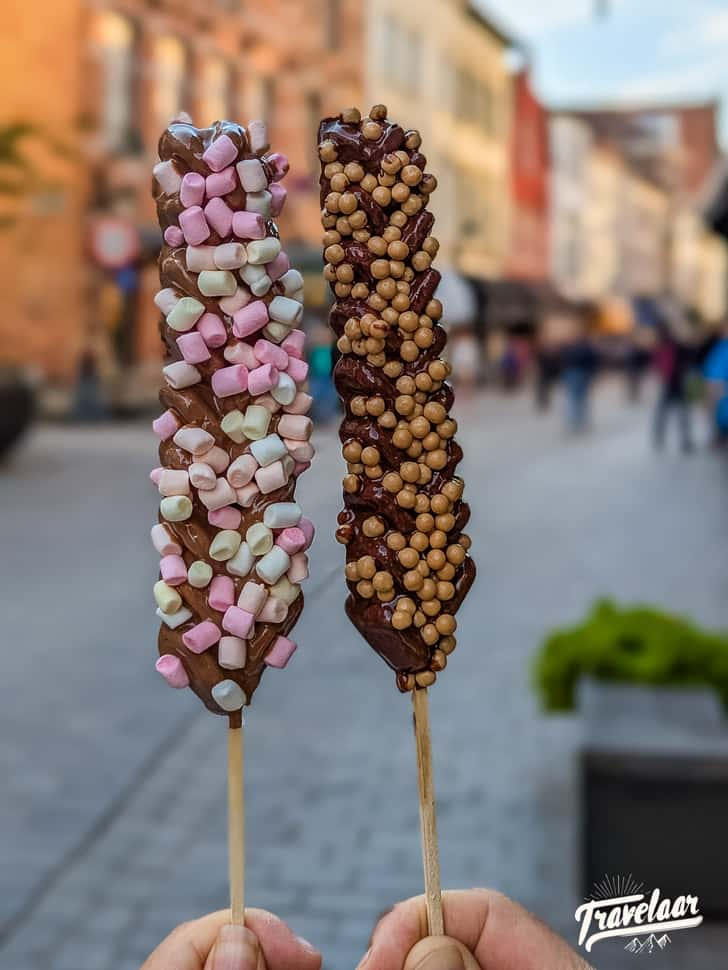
[(546, 365), (715, 372), (673, 361), (579, 362)]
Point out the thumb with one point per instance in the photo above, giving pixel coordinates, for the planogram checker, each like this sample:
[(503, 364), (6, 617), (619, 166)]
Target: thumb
[(440, 953), (236, 948)]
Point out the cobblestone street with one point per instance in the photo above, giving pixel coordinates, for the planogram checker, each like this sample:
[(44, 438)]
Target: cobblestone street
[(113, 815)]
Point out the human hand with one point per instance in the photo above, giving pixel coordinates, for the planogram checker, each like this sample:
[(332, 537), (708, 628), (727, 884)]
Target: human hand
[(213, 943), (486, 931)]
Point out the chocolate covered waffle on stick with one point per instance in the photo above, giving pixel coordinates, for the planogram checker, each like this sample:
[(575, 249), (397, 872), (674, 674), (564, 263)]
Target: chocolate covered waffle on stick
[(407, 562), (234, 435)]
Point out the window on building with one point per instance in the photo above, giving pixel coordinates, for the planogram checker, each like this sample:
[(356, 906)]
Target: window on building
[(214, 101), (170, 73), (332, 23), (114, 44)]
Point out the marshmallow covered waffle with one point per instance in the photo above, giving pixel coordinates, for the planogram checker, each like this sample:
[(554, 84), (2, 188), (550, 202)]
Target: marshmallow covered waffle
[(234, 433), (407, 562)]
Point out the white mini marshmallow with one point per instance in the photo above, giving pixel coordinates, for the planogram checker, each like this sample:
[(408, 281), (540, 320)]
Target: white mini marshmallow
[(268, 449), (273, 565), (218, 458), (282, 515), (274, 611), (292, 282), (202, 475), (174, 481), (246, 494), (199, 258), (285, 390), (276, 331), (252, 597), (258, 136), (242, 562), (285, 310), (195, 440), (241, 471), (263, 250), (166, 300), (164, 542), (252, 175), (180, 374), (168, 177), (229, 255), (173, 620), (231, 653), (228, 695)]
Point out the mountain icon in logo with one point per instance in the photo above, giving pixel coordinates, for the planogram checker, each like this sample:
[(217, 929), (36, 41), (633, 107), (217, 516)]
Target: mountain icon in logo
[(649, 945)]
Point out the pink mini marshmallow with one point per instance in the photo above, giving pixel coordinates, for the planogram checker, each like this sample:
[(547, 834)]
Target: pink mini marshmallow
[(231, 653), (291, 540), (247, 494), (173, 570), (164, 542), (296, 426), (269, 402), (238, 622), (298, 570), (252, 597), (280, 653), (269, 353), (271, 477), (173, 236), (174, 481), (250, 318), (220, 183), (156, 474), (297, 369), (165, 425), (230, 380), (221, 153), (212, 329), (278, 266), (262, 379), (222, 593), (278, 165), (300, 467), (171, 668), (241, 471), (309, 530), (278, 198), (301, 403), (300, 451), (195, 440), (294, 342), (193, 347), (218, 459), (227, 517), (194, 225), (201, 637), (192, 190), (274, 611), (219, 215), (248, 225), (240, 352), (202, 475), (215, 498)]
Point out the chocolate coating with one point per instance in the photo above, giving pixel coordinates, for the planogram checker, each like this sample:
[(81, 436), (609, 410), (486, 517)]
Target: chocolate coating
[(388, 376)]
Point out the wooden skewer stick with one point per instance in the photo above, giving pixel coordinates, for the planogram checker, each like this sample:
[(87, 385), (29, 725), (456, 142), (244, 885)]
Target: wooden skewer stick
[(236, 820), (428, 813)]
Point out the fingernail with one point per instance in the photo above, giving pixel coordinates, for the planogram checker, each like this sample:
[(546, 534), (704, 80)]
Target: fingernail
[(302, 941), (236, 948), (445, 958), (364, 959)]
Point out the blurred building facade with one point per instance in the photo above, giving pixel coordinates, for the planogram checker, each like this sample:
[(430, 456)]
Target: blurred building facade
[(528, 256)]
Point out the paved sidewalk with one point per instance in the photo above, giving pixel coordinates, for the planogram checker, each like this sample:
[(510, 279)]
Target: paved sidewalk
[(114, 829)]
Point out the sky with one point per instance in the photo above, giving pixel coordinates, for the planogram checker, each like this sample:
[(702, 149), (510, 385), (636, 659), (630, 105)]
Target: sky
[(640, 50)]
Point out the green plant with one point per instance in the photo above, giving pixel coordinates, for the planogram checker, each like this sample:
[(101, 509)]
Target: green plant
[(634, 644)]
